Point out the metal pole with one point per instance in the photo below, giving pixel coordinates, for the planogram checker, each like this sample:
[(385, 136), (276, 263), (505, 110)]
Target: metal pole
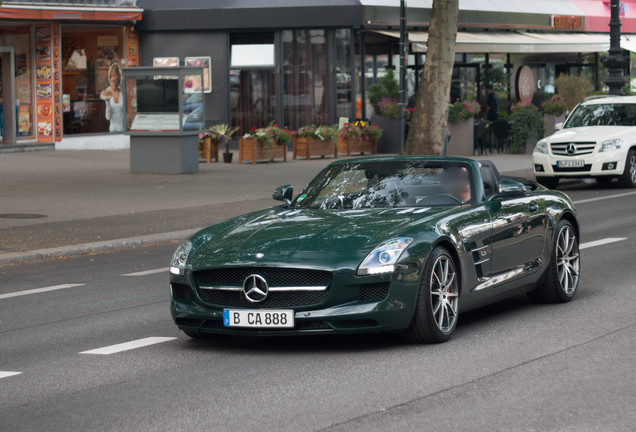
[(615, 61), (403, 66)]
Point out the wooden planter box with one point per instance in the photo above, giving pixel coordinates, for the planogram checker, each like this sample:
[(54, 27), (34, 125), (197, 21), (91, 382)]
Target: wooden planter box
[(252, 150), (209, 149), (308, 147), (356, 145)]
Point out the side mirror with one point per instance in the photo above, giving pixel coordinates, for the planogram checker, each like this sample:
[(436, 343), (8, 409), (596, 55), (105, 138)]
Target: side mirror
[(511, 188), (284, 193), (558, 126)]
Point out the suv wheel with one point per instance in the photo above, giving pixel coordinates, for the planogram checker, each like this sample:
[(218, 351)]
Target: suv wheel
[(628, 179), (549, 182)]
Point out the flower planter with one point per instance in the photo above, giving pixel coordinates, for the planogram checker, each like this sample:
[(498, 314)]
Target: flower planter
[(389, 141), (209, 149), (309, 146), (252, 150), (462, 140), (356, 144), (549, 120)]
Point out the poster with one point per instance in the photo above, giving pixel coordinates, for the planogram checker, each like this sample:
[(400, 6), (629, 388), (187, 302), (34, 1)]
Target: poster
[(57, 81), (195, 81), (45, 70)]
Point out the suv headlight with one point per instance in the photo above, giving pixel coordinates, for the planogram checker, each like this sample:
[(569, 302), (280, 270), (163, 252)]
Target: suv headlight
[(610, 145), (180, 257), (541, 147), (382, 259)]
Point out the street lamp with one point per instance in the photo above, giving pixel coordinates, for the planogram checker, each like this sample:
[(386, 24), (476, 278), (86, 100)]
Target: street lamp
[(615, 61)]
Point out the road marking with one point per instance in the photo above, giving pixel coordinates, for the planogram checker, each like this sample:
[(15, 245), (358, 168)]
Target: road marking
[(601, 242), (39, 290), (147, 272), (603, 198), (140, 343), (5, 374)]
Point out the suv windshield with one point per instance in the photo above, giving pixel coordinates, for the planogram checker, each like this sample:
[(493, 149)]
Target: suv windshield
[(603, 115)]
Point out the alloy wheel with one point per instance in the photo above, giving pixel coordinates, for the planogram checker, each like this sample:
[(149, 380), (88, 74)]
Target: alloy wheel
[(567, 260), (444, 293)]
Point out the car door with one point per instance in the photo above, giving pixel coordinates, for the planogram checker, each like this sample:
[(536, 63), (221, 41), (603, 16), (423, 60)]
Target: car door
[(518, 237)]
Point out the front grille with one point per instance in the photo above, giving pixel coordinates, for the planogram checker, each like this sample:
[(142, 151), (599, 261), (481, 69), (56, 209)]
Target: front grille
[(181, 292), (582, 148), (584, 168), (277, 299), (276, 277), (374, 292)]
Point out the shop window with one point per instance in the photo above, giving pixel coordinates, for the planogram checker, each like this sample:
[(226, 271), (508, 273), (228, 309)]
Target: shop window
[(305, 78), (344, 81), (20, 39), (92, 58)]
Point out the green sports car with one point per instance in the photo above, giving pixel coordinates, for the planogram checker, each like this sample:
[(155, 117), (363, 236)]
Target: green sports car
[(378, 244)]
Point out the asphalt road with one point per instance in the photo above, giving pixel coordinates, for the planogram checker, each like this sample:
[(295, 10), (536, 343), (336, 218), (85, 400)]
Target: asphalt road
[(512, 366)]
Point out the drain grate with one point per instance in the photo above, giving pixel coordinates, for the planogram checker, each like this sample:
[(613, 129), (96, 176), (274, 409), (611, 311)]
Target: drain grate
[(22, 216)]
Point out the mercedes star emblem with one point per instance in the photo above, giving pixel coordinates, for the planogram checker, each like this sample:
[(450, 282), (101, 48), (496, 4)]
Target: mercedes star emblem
[(255, 288), (571, 149)]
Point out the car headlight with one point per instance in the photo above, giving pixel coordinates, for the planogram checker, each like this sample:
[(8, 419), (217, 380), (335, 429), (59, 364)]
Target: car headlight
[(180, 257), (382, 259), (613, 144), (541, 147)]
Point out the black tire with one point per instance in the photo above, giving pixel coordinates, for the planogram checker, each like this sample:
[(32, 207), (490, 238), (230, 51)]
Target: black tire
[(435, 315), (604, 180), (549, 182), (628, 179), (561, 278)]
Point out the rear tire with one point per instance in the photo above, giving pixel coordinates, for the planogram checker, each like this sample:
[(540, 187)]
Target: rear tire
[(435, 315), (628, 179), (549, 182), (561, 278)]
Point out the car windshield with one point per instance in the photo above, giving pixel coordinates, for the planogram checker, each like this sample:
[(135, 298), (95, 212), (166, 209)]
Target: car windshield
[(383, 184), (603, 115)]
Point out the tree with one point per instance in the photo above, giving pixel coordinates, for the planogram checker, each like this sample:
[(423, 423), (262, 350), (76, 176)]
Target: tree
[(430, 113)]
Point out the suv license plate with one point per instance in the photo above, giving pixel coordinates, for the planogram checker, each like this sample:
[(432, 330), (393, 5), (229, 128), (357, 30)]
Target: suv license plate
[(571, 164), (258, 318)]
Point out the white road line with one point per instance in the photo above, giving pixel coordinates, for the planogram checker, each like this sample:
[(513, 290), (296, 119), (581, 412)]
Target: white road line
[(601, 242), (129, 345), (38, 290), (148, 272), (601, 198), (5, 374)]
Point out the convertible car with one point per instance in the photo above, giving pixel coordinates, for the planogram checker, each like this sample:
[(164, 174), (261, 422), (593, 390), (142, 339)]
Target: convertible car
[(378, 244)]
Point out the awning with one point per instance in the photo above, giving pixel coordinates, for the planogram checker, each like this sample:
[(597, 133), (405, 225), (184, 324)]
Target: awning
[(70, 13), (514, 42)]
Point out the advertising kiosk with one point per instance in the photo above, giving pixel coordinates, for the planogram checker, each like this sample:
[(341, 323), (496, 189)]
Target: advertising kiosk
[(163, 114)]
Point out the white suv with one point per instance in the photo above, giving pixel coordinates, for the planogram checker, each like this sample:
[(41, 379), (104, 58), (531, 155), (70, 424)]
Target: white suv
[(597, 140)]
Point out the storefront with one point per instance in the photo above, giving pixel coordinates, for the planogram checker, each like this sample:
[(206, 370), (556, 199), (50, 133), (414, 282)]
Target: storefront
[(55, 70)]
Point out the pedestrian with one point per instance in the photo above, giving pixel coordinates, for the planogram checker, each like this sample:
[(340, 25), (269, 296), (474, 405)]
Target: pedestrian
[(493, 104)]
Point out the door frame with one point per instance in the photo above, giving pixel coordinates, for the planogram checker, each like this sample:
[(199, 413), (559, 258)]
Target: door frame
[(7, 54)]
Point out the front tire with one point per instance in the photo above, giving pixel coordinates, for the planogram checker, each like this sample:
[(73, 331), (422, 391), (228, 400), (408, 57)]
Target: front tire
[(549, 182), (562, 275), (628, 179), (436, 310)]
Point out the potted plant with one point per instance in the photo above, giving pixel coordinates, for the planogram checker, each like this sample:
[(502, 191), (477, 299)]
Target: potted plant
[(315, 141), (358, 137), (527, 126), (223, 132), (553, 111), (461, 125), (265, 143), (208, 145), (388, 119)]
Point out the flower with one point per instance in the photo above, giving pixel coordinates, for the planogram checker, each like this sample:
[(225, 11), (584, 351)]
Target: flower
[(463, 110), (554, 106), (389, 107), (361, 129), (269, 135)]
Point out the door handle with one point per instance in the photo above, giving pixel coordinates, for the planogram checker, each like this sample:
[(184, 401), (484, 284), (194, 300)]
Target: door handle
[(533, 206)]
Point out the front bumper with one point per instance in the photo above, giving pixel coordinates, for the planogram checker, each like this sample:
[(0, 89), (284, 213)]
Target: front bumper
[(594, 165), (346, 308)]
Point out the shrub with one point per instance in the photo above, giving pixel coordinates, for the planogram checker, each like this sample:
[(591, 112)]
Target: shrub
[(554, 106), (387, 87), (572, 89), (360, 129), (527, 125), (463, 110), (389, 107)]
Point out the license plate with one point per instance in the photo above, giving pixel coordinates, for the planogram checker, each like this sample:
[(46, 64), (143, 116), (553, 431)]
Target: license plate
[(258, 318), (570, 163)]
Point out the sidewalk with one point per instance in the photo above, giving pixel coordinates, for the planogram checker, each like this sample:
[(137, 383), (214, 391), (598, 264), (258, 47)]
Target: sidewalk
[(59, 203)]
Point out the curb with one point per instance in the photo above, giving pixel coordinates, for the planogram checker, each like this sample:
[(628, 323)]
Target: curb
[(85, 248)]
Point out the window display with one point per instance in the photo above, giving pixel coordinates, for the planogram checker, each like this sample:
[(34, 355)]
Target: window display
[(92, 58)]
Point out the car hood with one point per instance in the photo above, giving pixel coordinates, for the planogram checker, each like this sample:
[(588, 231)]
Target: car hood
[(306, 230), (591, 133)]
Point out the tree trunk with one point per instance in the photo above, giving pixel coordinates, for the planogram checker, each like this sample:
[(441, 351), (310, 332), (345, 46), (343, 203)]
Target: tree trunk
[(428, 122)]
